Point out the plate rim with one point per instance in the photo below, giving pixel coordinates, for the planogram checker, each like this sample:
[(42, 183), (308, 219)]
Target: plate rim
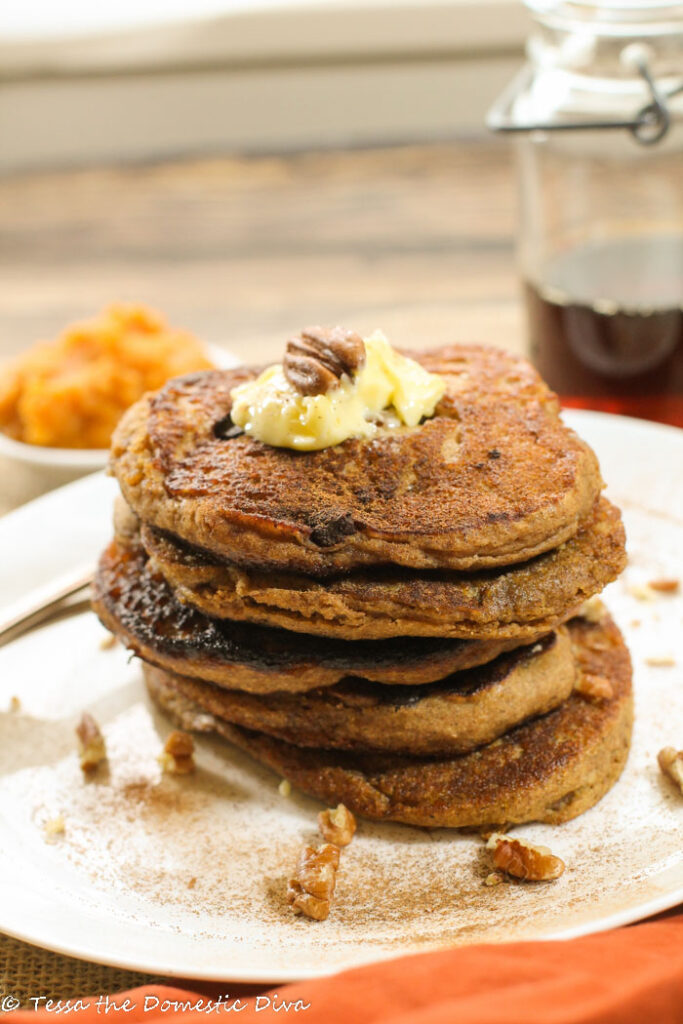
[(639, 912)]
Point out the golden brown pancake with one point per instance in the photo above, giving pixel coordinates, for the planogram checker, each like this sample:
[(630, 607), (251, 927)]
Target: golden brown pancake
[(550, 769), (515, 603), (494, 478), (465, 711), (138, 606)]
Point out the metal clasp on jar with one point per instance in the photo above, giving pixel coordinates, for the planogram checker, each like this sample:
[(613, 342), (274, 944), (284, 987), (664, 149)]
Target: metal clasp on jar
[(648, 125)]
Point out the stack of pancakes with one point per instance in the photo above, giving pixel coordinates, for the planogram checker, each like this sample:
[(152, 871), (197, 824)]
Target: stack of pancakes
[(393, 622)]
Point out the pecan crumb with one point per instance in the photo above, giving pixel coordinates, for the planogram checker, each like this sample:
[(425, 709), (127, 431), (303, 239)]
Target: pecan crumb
[(660, 661), (671, 763), (495, 878), (91, 745), (311, 887), (316, 361), (522, 860), (53, 828), (593, 610), (337, 826), (177, 756), (665, 586), (593, 688)]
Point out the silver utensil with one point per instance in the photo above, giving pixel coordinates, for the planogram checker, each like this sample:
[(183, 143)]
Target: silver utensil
[(43, 602)]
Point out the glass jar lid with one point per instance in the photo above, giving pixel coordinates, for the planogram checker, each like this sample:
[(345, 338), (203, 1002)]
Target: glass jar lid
[(610, 17), (613, 64)]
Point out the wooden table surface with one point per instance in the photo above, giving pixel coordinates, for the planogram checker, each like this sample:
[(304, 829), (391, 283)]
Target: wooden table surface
[(416, 240)]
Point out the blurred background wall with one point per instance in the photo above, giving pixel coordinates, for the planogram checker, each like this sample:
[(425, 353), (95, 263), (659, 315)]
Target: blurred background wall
[(144, 79), (250, 166)]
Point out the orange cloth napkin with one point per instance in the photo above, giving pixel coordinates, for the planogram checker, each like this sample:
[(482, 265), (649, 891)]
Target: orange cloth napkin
[(628, 976)]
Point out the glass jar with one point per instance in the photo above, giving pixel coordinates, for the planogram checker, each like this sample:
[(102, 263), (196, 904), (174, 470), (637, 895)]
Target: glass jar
[(599, 114)]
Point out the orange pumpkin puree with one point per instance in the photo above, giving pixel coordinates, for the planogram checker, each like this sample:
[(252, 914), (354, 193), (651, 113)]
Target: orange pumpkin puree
[(71, 392)]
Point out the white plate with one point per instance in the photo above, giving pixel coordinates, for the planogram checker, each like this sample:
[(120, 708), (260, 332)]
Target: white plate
[(186, 876)]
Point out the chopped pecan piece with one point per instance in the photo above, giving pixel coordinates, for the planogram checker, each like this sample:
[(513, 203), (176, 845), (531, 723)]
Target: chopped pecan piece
[(671, 763), (665, 586), (311, 888), (177, 756), (337, 826), (304, 903), (522, 860), (318, 359), (90, 743), (593, 688)]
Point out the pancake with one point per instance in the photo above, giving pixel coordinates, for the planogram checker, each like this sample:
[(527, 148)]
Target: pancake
[(494, 478), (455, 715), (550, 769), (516, 603), (138, 606)]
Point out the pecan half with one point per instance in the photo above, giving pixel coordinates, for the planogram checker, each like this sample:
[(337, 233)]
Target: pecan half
[(311, 888), (316, 361), (337, 826), (522, 860)]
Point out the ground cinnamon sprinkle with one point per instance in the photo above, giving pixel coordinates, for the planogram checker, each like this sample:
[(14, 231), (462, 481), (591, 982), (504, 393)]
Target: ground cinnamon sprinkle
[(209, 855)]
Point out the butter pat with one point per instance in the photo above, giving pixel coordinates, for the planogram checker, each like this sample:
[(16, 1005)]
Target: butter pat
[(388, 391)]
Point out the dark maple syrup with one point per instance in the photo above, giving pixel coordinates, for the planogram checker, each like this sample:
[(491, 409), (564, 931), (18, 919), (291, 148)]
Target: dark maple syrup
[(606, 326)]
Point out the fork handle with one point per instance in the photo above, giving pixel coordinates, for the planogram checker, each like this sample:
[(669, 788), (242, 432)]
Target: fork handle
[(37, 605)]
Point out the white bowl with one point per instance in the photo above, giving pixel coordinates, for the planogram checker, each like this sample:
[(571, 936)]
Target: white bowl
[(29, 470)]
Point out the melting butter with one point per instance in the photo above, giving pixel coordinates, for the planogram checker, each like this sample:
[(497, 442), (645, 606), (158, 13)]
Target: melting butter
[(389, 390)]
